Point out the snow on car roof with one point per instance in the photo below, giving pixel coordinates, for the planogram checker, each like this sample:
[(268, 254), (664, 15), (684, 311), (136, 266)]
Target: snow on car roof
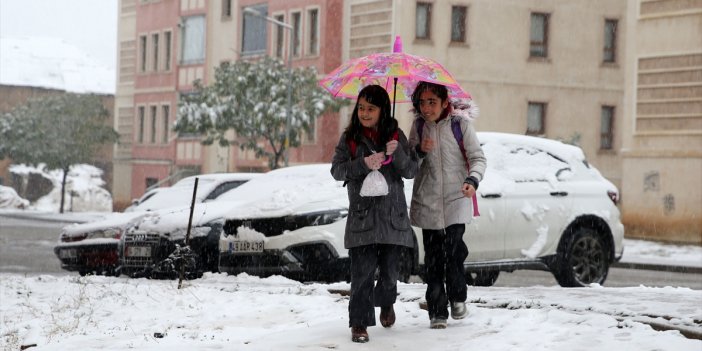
[(215, 177), (180, 194), (283, 191), (555, 147)]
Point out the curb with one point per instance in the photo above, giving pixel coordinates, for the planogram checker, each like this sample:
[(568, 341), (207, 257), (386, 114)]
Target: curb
[(43, 219), (657, 267)]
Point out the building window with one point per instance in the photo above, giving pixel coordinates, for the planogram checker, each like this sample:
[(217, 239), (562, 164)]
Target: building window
[(536, 118), (154, 113), (313, 32), (154, 45), (423, 20), (140, 114), (610, 41), (226, 9), (193, 34), (297, 33), (254, 31), (142, 53), (538, 35), (458, 23), (279, 37), (167, 51), (607, 128), (165, 115)]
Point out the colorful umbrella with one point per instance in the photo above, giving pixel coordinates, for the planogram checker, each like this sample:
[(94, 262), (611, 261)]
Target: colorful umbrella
[(397, 72)]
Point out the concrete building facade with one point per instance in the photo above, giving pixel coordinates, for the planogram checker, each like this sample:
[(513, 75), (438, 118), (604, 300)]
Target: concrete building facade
[(662, 146), (488, 46)]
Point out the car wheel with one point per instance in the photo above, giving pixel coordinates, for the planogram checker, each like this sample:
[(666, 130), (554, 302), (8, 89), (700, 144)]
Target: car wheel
[(581, 260), (482, 278)]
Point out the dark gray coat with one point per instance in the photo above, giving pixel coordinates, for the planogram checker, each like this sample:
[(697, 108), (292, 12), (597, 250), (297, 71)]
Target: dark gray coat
[(378, 219)]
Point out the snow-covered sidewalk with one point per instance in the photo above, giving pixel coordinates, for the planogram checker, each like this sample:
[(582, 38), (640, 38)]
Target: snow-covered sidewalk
[(650, 253), (249, 313)]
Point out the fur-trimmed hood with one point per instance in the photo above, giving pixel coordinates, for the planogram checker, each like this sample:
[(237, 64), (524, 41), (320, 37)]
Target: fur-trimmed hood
[(463, 108)]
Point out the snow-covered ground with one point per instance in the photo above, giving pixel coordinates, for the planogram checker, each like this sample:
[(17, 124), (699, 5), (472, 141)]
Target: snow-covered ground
[(250, 313), (85, 190)]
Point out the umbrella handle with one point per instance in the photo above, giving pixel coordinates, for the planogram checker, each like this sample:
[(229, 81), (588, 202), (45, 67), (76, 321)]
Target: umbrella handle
[(387, 160), (394, 96)]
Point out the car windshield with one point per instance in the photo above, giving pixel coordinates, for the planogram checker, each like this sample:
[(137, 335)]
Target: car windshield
[(523, 163), (180, 194)]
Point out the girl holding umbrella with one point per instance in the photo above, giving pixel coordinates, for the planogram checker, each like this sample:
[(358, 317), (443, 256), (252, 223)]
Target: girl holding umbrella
[(377, 228), (452, 165)]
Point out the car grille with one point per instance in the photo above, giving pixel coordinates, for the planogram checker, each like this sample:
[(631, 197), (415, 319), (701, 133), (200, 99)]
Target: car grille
[(140, 239), (266, 226)]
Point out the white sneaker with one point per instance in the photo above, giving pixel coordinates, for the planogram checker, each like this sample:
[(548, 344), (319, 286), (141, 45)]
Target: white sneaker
[(438, 323), (458, 310)]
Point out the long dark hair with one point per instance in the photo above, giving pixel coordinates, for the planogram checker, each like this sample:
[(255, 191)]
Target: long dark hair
[(376, 95), (438, 89)]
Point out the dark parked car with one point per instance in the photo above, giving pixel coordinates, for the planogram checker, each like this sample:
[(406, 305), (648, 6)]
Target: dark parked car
[(92, 248)]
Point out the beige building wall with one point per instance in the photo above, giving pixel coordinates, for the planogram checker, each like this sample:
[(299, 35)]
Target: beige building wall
[(222, 46), (124, 103), (494, 66), (662, 151)]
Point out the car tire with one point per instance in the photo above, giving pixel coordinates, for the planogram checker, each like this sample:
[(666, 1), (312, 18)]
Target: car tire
[(482, 278), (582, 259)]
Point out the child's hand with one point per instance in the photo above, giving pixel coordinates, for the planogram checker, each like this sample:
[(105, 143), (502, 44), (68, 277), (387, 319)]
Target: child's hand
[(427, 145), (390, 147), (375, 160), (468, 190)]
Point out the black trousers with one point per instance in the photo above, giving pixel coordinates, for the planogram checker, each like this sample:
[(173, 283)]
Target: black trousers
[(364, 295), (444, 253)]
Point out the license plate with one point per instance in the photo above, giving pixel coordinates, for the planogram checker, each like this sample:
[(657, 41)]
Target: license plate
[(246, 246), (139, 251), (67, 253)]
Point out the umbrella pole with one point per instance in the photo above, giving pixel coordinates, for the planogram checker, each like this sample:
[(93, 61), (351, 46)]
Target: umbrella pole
[(394, 95)]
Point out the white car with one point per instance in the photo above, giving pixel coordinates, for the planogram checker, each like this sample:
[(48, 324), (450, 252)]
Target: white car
[(542, 207), (92, 247)]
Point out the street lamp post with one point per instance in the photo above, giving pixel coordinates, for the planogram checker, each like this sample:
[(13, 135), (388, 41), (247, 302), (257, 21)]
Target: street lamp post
[(288, 114)]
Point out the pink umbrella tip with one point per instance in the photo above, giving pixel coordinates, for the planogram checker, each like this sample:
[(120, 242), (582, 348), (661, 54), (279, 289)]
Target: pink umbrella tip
[(397, 47)]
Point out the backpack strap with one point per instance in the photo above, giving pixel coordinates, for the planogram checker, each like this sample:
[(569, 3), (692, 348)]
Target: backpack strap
[(420, 128)]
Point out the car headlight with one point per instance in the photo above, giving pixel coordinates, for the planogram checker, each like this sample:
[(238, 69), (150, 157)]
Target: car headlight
[(109, 233), (317, 218)]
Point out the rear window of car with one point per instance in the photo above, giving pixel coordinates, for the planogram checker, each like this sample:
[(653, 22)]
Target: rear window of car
[(523, 163)]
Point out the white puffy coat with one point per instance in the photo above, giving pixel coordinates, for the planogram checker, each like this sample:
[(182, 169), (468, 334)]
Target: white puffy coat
[(437, 200)]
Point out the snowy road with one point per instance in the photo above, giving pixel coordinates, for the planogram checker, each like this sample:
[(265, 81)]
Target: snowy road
[(26, 246)]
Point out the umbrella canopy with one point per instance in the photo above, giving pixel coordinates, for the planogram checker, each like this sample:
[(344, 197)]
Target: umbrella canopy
[(397, 72)]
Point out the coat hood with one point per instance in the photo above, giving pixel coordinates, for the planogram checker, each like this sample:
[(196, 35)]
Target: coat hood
[(463, 108)]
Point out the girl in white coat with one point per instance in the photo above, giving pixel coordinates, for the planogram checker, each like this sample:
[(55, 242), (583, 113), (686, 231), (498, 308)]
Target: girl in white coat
[(448, 177)]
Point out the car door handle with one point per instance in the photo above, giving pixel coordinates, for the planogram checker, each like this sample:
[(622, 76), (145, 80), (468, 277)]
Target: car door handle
[(491, 196), (559, 193)]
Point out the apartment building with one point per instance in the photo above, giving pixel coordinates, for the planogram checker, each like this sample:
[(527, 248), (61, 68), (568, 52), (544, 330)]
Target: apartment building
[(165, 45), (548, 68), (662, 146), (620, 78)]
